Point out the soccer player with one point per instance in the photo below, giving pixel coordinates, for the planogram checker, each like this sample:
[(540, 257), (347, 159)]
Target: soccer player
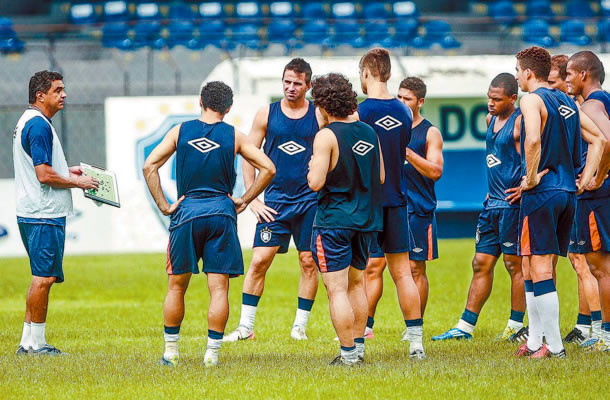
[(498, 225), (42, 185), (584, 75), (288, 127), (347, 171), (550, 154), (204, 219), (589, 314), (392, 121)]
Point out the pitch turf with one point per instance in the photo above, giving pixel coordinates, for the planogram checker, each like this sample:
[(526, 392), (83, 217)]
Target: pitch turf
[(108, 316)]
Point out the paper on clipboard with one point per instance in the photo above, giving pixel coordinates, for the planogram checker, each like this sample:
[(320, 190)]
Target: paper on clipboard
[(108, 190)]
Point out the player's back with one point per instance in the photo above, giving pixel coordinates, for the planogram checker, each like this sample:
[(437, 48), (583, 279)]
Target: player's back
[(560, 142), (205, 170), (420, 189), (351, 196), (604, 190), (289, 144), (503, 161), (392, 121)]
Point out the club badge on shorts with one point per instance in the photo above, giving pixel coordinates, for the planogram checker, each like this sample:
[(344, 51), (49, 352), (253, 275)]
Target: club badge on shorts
[(266, 235)]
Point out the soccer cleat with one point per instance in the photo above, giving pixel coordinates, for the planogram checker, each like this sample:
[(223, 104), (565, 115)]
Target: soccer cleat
[(453, 333), (172, 362), (241, 333), (48, 350), (210, 360), (298, 333), (575, 336), (521, 335), (368, 333), (340, 361), (506, 335), (544, 352), (601, 346), (524, 351), (417, 355), (589, 343), (21, 351)]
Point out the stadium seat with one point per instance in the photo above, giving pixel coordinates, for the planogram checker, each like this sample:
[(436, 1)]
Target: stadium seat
[(377, 34), (115, 11), (605, 8), (603, 31), (375, 11), (346, 32), (405, 9), (147, 34), (405, 31), (248, 11), (282, 9), (316, 32), (212, 33), (282, 31), (148, 11), (9, 42), (503, 12), (181, 11), (314, 10), (573, 32), (343, 10), (83, 13), (211, 10), (180, 33), (437, 32), (536, 31), (116, 35), (247, 35), (539, 9), (579, 9)]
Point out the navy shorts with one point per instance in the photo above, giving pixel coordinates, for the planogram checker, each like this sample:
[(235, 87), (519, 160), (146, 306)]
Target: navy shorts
[(396, 235), (375, 250), (545, 222), (44, 244), (498, 231), (212, 238), (593, 222), (574, 247), (294, 220), (425, 241), (337, 249)]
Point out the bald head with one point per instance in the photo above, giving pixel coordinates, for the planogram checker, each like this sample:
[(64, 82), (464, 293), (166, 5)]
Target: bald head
[(588, 61)]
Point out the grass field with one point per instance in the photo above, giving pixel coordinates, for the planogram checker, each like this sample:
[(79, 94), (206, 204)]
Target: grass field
[(108, 315)]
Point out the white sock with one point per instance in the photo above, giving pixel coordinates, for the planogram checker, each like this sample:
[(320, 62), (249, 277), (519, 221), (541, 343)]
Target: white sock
[(465, 326), (248, 313), (38, 335), (534, 339), (350, 356), (212, 348), (584, 329), (26, 336), (596, 329), (548, 311), (415, 336), (171, 345), (514, 324), (301, 318), (360, 349)]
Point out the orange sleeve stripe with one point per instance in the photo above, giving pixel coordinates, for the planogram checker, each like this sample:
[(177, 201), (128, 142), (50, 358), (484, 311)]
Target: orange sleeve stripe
[(596, 243), (525, 238), (320, 254)]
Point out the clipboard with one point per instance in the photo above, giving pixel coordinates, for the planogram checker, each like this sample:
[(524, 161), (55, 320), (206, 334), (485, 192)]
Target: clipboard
[(108, 190)]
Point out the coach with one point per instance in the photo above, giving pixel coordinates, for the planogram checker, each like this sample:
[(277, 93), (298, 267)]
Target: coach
[(42, 186)]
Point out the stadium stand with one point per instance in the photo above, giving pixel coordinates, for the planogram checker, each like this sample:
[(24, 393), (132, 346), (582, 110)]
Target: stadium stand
[(540, 9), (9, 42), (536, 31), (436, 32), (115, 11), (503, 12), (211, 10), (573, 31)]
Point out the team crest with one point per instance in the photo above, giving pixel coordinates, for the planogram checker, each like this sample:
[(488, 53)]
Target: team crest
[(266, 235)]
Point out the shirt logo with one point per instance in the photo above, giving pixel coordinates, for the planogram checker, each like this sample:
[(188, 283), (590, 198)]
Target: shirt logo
[(565, 111), (492, 161), (203, 145), (477, 236), (508, 244), (291, 148), (361, 147), (388, 123), (266, 235), (581, 243), (417, 250)]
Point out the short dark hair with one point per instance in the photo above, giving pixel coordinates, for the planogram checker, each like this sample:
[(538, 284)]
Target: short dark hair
[(41, 81), (377, 61), (217, 96), (507, 82), (414, 84), (560, 63), (334, 94), (536, 59), (299, 66), (588, 61)]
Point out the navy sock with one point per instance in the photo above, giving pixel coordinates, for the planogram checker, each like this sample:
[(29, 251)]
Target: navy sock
[(414, 322), (544, 287), (596, 315), (606, 326), (470, 317), (215, 335), (171, 330), (369, 322), (517, 316), (529, 285), (304, 304), (250, 299), (359, 340), (583, 319)]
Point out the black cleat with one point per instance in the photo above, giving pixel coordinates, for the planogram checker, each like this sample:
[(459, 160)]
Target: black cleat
[(48, 350), (521, 335), (21, 351), (575, 336)]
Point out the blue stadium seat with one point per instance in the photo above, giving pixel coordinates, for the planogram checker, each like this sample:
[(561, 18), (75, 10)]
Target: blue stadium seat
[(405, 31), (605, 8), (377, 34), (115, 11), (181, 11), (347, 32), (83, 13), (147, 34), (539, 9), (249, 11), (536, 31), (6, 25), (282, 31), (603, 31), (9, 42), (282, 9), (180, 33), (437, 32), (343, 10), (116, 35), (247, 35), (405, 9), (375, 11), (503, 12), (148, 11), (211, 10), (573, 32), (314, 10), (579, 9), (212, 33), (316, 32)]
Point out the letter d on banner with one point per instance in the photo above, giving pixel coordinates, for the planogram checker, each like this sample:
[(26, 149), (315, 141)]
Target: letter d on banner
[(452, 132)]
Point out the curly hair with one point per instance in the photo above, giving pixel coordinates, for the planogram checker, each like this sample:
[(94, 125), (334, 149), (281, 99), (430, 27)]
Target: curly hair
[(537, 59), (414, 84), (377, 61), (559, 62), (334, 94), (216, 96), (41, 81)]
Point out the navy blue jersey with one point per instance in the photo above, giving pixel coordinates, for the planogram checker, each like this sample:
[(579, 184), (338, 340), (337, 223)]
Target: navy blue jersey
[(392, 121), (289, 144), (351, 196), (560, 142), (604, 190), (205, 170), (503, 162), (420, 189)]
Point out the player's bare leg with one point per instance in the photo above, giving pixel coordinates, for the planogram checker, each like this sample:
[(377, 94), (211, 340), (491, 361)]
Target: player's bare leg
[(588, 301), (37, 303), (308, 287), (358, 301), (514, 327), (218, 314), (373, 276), (418, 270), (599, 263), (173, 314)]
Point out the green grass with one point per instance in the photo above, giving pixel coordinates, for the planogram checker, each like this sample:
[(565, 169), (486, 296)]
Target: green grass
[(108, 315)]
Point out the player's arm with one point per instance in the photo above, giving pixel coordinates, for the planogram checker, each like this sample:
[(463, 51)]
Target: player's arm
[(322, 122), (514, 194), (596, 111), (319, 165), (157, 158), (531, 108), (48, 176), (488, 120), (381, 164), (431, 166), (256, 158)]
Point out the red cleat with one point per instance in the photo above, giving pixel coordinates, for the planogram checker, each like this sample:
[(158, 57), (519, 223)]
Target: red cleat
[(524, 351), (544, 352)]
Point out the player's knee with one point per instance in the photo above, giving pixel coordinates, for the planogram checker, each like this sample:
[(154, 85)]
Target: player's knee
[(308, 266), (259, 265), (479, 266), (418, 269), (375, 267), (513, 267), (43, 282)]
